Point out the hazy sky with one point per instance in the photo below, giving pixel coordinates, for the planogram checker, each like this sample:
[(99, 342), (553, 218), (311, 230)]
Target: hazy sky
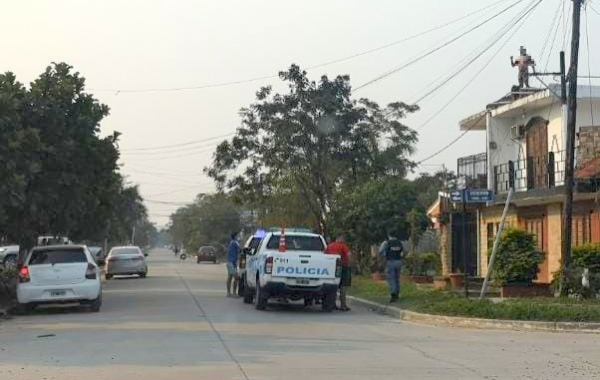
[(138, 45)]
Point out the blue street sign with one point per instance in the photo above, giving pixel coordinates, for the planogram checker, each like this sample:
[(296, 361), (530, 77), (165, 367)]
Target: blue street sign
[(478, 195), (456, 196)]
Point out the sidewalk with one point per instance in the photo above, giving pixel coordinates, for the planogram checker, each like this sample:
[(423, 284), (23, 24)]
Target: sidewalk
[(476, 323)]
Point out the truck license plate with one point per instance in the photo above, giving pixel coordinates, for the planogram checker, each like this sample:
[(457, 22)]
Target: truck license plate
[(57, 293), (302, 281)]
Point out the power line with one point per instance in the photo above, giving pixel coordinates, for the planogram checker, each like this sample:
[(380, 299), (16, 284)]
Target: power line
[(180, 144), (426, 54), (453, 141), (339, 60), (470, 60), (549, 33), (412, 37), (522, 18), (558, 24), (154, 158)]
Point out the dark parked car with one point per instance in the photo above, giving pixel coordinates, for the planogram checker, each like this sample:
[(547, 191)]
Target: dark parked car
[(98, 254), (207, 253)]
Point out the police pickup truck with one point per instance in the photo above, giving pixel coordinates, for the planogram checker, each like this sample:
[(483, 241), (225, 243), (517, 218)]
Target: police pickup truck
[(292, 266)]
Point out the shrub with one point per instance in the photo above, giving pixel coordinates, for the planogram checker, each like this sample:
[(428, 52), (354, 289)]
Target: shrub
[(587, 256), (517, 260), (8, 285), (419, 264)]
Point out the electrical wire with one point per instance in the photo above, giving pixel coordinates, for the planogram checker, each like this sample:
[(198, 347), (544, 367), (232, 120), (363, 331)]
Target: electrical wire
[(470, 59), (178, 145), (558, 24), (339, 60), (453, 141), (549, 33), (430, 52), (522, 18)]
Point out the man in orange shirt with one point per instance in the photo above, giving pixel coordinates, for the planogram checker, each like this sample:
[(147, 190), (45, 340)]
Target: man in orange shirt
[(339, 247)]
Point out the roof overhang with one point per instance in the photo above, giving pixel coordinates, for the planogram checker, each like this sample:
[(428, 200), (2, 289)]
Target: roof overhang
[(475, 122)]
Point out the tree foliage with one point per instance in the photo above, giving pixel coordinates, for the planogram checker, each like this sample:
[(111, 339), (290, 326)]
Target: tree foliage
[(315, 136), (371, 212), (59, 176), (210, 220)]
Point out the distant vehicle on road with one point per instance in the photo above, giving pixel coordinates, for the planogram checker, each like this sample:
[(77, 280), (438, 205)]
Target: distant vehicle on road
[(59, 274), (98, 254), (8, 256), (126, 261), (207, 253), (292, 265)]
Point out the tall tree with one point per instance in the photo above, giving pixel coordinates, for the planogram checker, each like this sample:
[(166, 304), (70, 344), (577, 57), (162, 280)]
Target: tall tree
[(62, 175), (318, 137)]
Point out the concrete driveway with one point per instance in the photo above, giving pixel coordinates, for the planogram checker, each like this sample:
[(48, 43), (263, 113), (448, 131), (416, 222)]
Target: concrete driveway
[(178, 324)]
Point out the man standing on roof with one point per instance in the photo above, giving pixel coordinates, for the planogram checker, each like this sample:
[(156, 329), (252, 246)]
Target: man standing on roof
[(392, 250), (339, 247), (233, 253)]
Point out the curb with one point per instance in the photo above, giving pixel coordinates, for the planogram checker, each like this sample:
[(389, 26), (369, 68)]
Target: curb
[(476, 323)]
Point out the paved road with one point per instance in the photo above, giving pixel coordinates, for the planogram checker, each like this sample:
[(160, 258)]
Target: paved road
[(177, 324)]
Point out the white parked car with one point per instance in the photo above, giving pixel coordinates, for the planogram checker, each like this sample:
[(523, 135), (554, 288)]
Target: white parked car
[(301, 271), (59, 274)]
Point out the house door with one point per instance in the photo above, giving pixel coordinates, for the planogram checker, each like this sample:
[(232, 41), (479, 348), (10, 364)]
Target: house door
[(537, 154), (458, 243)]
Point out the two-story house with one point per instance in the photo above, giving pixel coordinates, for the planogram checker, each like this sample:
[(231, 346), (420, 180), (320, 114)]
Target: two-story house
[(525, 149)]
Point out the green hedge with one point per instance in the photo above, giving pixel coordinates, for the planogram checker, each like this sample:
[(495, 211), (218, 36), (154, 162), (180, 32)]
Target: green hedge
[(586, 256), (517, 260)]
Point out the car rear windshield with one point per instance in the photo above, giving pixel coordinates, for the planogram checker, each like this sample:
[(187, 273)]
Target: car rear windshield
[(297, 243), (207, 250), (125, 251), (57, 256)]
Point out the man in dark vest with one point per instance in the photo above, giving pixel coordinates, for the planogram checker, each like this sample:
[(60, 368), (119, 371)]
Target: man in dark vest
[(392, 250)]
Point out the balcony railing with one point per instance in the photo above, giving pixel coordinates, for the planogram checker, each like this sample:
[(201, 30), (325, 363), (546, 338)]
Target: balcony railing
[(546, 172), (472, 171)]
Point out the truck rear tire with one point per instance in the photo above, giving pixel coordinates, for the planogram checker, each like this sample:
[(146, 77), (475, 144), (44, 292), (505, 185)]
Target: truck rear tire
[(261, 300), (329, 302)]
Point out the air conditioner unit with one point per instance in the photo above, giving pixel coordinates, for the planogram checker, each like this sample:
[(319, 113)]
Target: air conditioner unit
[(517, 132)]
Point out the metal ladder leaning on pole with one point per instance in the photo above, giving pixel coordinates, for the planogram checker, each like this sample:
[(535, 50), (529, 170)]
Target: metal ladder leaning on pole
[(496, 242)]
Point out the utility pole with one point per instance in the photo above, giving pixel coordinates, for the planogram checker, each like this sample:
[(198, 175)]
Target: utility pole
[(570, 159), (133, 236)]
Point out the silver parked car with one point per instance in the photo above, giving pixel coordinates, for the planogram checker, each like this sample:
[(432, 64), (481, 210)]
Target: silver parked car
[(126, 261), (8, 256)]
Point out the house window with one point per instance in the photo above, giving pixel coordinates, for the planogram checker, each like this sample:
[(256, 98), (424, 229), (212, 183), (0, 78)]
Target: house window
[(581, 230), (491, 233), (536, 227)]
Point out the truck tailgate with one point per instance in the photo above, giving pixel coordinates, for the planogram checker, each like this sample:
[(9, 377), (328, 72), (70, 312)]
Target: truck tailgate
[(304, 264)]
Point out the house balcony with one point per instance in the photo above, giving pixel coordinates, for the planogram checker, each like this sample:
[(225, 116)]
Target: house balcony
[(548, 172), (472, 171)]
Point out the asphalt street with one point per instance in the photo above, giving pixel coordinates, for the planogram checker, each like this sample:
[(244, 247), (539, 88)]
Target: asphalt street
[(178, 324)]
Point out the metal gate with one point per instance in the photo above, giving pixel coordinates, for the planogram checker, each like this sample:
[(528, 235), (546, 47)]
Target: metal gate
[(457, 243)]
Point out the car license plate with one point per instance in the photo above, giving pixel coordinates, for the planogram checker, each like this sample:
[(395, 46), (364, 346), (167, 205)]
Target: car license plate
[(302, 281), (57, 293)]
